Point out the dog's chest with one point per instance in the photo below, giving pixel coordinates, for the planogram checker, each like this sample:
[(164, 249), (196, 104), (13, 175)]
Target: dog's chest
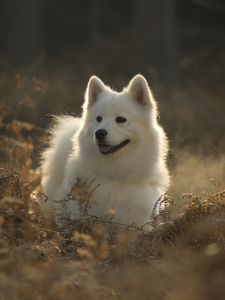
[(132, 203)]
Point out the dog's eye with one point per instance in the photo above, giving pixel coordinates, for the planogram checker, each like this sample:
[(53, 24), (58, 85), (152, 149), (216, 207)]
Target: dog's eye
[(99, 119), (120, 120)]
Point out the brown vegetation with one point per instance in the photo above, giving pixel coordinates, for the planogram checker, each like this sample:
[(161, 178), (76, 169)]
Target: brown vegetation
[(182, 258)]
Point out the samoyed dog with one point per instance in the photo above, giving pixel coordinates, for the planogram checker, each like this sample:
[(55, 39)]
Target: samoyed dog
[(118, 144)]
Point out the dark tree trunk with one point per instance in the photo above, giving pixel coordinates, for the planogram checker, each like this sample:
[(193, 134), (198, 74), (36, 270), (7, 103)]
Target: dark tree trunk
[(21, 29), (95, 17), (154, 34)]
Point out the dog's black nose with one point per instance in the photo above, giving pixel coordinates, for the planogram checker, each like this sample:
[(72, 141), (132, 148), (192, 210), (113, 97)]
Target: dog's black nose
[(100, 134)]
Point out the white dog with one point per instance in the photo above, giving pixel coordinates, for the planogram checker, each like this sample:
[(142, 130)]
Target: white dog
[(119, 144)]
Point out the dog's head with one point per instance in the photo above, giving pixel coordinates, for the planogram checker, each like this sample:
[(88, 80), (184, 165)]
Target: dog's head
[(118, 120)]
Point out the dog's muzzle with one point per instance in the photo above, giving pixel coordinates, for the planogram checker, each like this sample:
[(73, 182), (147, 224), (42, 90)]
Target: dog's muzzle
[(107, 149), (103, 147)]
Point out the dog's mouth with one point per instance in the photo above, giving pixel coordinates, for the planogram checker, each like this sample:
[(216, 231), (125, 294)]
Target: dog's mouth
[(107, 149)]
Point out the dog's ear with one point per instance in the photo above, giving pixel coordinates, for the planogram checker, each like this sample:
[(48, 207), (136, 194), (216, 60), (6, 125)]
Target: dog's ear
[(94, 88), (140, 91)]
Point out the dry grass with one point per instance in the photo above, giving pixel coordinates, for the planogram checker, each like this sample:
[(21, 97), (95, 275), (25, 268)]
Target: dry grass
[(182, 258)]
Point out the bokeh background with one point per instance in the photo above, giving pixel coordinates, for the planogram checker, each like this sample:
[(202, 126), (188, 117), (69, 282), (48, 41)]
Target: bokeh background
[(50, 48)]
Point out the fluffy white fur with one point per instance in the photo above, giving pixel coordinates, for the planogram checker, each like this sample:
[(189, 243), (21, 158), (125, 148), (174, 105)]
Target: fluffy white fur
[(132, 178)]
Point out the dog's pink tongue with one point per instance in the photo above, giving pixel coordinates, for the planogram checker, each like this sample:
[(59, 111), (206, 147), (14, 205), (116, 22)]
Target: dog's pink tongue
[(104, 148)]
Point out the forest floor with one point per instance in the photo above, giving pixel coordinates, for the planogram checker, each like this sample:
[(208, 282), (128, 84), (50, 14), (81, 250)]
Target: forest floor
[(183, 257)]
